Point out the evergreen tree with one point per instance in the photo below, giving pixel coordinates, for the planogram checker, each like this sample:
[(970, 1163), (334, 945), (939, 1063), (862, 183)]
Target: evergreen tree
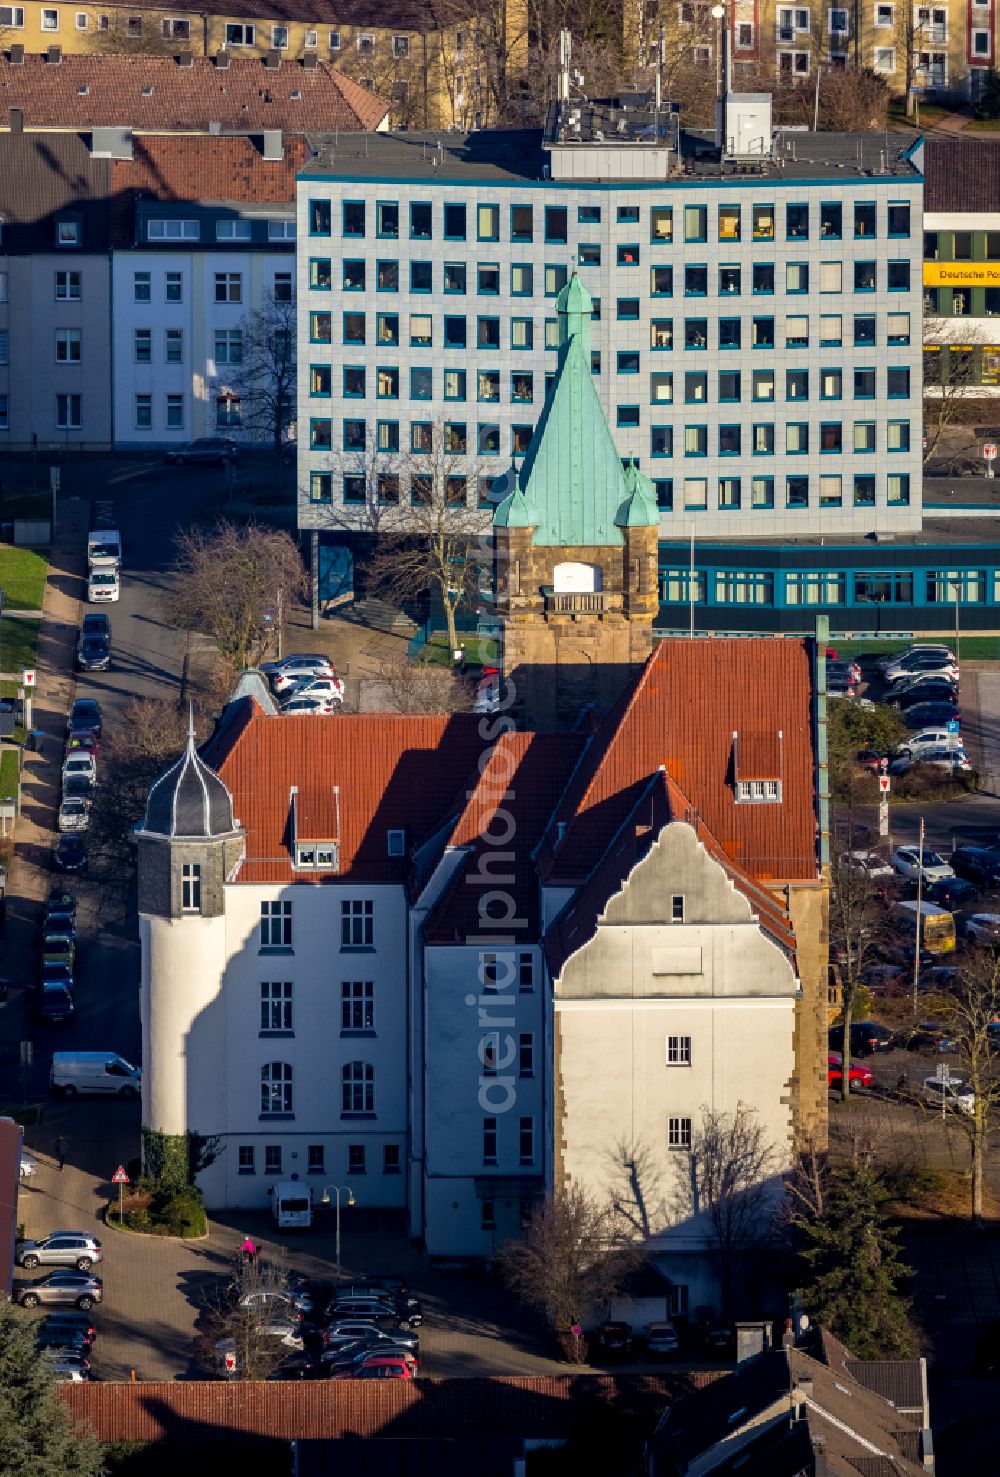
[(37, 1435), (853, 1269)]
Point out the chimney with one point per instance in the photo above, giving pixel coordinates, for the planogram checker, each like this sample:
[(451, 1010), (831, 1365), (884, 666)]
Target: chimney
[(272, 144), (272, 60), (222, 59), (17, 55), (215, 129), (310, 61), (17, 120), (185, 59), (54, 56)]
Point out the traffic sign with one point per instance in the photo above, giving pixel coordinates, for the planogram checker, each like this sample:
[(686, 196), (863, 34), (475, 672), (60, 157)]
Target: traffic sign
[(230, 1363), (884, 783), (990, 451), (951, 726), (28, 677), (119, 1177)]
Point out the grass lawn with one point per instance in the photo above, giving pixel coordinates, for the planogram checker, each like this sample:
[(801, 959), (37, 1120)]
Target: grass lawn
[(973, 648), (27, 1117), (983, 125), (479, 650), (18, 644), (9, 772), (22, 577)]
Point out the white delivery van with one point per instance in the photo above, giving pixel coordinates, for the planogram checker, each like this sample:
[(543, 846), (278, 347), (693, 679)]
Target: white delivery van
[(104, 549), (291, 1205), (76, 1072)]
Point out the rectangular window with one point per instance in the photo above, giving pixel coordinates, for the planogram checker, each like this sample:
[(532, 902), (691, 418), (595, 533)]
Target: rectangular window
[(831, 437), (357, 1005), (390, 1159), (679, 1133), (488, 1214), (762, 492), (173, 230), (898, 436), (526, 1055), (556, 224), (173, 287), (174, 345), (143, 413), (797, 277), (897, 485), (762, 279), (321, 487), (661, 281), (141, 287), (730, 496), (797, 331), (763, 384), (696, 223), (899, 276), (276, 925), (275, 1006), (763, 438), (762, 333), (232, 230), (730, 281), (526, 1141), (229, 416), (246, 1159), (489, 1141), (864, 489), (488, 222), (68, 287), (797, 437), (190, 887), (454, 222), (356, 1159), (831, 384), (272, 1158), (831, 493), (357, 924), (239, 35), (797, 222), (796, 492), (229, 346), (315, 1159), (831, 330), (864, 435), (897, 327), (661, 223), (555, 280), (679, 1047), (865, 276), (864, 384), (228, 287)]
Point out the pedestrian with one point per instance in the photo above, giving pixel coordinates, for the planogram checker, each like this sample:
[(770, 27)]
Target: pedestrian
[(61, 1152), (248, 1251)]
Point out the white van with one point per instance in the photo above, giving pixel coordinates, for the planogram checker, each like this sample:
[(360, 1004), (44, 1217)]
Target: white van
[(291, 1205), (104, 549), (93, 1071)]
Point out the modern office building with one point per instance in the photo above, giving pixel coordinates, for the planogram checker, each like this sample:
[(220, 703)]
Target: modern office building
[(962, 269), (756, 328)]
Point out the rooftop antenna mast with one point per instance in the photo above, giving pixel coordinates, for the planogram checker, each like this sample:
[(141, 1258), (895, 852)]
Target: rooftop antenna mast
[(565, 57)]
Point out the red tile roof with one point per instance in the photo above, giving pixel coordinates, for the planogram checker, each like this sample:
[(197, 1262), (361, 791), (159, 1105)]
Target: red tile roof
[(154, 93), (204, 167), (523, 779), (393, 773), (198, 1410), (681, 715), (399, 15)]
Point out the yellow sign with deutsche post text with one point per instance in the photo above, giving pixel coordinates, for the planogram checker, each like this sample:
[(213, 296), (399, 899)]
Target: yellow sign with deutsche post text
[(962, 274)]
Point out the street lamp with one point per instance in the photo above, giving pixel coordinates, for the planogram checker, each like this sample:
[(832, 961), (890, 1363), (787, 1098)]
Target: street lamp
[(338, 1190)]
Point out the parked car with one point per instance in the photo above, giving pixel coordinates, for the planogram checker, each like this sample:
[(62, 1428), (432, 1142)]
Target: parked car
[(338, 1335), (58, 948), (392, 1291), (977, 864), (983, 928), (282, 1330), (358, 1327), (878, 979), (955, 760), (614, 1340), (79, 1289), (883, 663), (925, 714), (61, 1249), (81, 1323), (288, 677), (867, 1037), (940, 977), (219, 451), (80, 763), (290, 1304), (68, 1372), (871, 759), (857, 1075), (103, 586), (93, 654), (922, 690), (360, 1307), (870, 864), (313, 661), (337, 1361), (96, 623), (308, 707), (662, 1340), (85, 713), (74, 814), (60, 900), (935, 736), (330, 688), (73, 1340), (54, 1003), (840, 681), (82, 741), (908, 862), (951, 893), (298, 1367), (930, 1036), (919, 664), (29, 1166), (954, 1094), (69, 854), (380, 1367)]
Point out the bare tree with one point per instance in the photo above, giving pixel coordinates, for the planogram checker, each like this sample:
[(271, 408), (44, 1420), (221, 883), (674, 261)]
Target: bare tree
[(727, 1181), (422, 687), (952, 394), (135, 35), (855, 915), (249, 1329), (265, 378), (232, 583), (969, 1014), (575, 1255), (639, 1198)]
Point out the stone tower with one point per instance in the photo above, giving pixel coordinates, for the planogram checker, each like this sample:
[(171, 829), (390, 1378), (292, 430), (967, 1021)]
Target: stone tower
[(188, 844), (575, 549)]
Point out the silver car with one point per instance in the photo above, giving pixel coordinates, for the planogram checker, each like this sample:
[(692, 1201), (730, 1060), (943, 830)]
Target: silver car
[(74, 814), (79, 1289), (62, 1249)]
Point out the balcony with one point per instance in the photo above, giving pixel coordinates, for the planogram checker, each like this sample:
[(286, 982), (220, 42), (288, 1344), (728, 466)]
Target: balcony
[(588, 602)]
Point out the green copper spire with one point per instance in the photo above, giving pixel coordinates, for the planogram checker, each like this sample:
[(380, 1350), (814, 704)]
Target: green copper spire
[(572, 488)]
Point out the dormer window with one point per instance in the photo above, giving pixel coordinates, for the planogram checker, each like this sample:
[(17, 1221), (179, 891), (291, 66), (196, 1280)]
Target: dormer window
[(760, 792), (68, 232), (316, 856), (396, 843), (758, 767), (315, 826)]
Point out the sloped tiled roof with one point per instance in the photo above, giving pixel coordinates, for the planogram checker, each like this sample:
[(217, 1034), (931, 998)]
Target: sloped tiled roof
[(961, 176), (681, 714), (401, 15), (154, 93), (524, 776), (204, 167), (392, 773), (41, 175)]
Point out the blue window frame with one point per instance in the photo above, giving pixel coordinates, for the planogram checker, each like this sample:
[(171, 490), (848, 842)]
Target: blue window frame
[(421, 276), (456, 277), (628, 415), (522, 386), (588, 254), (456, 438), (488, 279), (864, 489), (695, 441), (628, 308), (762, 492), (762, 438), (796, 384), (897, 436), (354, 381), (730, 333), (864, 436), (354, 274), (387, 220), (831, 220), (320, 487), (796, 491), (421, 437), (522, 279), (864, 384), (387, 435), (796, 278), (421, 384), (661, 281), (522, 333), (320, 274), (730, 499), (865, 220), (628, 361), (556, 278), (352, 218), (762, 333), (354, 488), (865, 276), (864, 330), (488, 439), (487, 222), (831, 438), (899, 218), (522, 223), (387, 330), (455, 332), (355, 331), (454, 222), (797, 222), (387, 382), (355, 435), (320, 218), (898, 276), (661, 333), (664, 489), (387, 276), (730, 439), (320, 434), (897, 488), (551, 330), (421, 220), (831, 384), (589, 215), (628, 214), (455, 384), (897, 383), (696, 281), (520, 439), (557, 224), (696, 333), (696, 223), (661, 441), (488, 385), (695, 387), (796, 438), (488, 333), (762, 279), (729, 385), (627, 254)]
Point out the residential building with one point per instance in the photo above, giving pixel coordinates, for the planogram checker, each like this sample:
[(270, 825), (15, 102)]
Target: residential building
[(755, 342), (962, 270), (154, 94), (55, 291), (808, 1408), (440, 66), (513, 917), (199, 287)]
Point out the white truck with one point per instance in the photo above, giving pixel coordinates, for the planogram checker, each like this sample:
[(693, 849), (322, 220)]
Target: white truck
[(104, 549), (76, 1072), (291, 1205)]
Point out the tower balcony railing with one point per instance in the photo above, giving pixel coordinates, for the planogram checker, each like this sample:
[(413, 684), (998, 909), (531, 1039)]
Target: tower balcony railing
[(579, 602)]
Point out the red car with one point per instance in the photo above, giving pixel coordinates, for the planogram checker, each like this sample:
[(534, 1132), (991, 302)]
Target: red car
[(381, 1367), (857, 1076)]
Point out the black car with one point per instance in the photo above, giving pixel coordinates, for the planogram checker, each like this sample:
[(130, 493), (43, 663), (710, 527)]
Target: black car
[(60, 899), (867, 1037), (930, 715), (70, 854), (976, 864), (219, 451), (54, 1003), (937, 691), (85, 716), (952, 893), (298, 1367), (93, 654), (96, 623), (614, 1340), (73, 1340), (74, 1322)]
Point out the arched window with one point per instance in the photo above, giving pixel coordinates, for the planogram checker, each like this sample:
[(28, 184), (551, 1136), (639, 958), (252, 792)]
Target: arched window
[(276, 1087), (359, 1087)]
